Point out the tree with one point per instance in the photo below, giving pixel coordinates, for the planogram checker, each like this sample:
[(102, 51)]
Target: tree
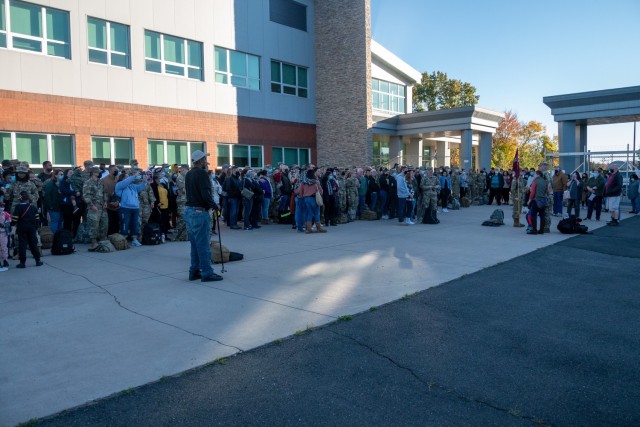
[(436, 91), (529, 138)]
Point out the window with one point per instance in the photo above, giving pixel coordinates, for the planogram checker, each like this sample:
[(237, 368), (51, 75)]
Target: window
[(380, 153), (171, 55), (36, 148), (34, 28), (108, 43), (289, 79), (170, 152), (237, 69), (290, 156), (111, 151), (388, 97), (289, 13), (240, 155)]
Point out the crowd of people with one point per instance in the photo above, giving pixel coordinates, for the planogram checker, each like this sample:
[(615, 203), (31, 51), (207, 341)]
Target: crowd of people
[(104, 200)]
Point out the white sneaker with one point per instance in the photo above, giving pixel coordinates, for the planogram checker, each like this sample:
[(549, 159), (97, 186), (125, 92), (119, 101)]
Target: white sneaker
[(385, 216), (135, 243), (162, 238), (3, 269), (409, 222), (445, 210)]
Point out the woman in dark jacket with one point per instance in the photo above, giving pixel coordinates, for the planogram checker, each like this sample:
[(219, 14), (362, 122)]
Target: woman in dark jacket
[(575, 187), (69, 203), (329, 197)]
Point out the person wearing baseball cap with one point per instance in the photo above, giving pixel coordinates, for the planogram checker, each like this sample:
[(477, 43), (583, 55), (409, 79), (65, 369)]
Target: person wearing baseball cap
[(196, 216)]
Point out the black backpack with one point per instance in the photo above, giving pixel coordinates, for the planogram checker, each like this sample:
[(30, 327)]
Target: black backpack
[(62, 243), (430, 216), (151, 234), (572, 225)]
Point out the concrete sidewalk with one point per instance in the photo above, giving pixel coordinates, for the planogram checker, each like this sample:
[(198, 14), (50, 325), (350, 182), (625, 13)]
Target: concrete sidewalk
[(89, 325)]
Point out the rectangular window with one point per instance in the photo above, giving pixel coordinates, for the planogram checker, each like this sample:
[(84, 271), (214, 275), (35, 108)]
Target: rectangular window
[(108, 43), (36, 148), (111, 151), (380, 153), (388, 97), (34, 28), (290, 156), (237, 68), (240, 155), (170, 152), (289, 79), (172, 55), (289, 13)]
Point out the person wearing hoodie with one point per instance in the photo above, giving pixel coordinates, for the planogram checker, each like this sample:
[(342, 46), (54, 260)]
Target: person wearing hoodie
[(128, 189)]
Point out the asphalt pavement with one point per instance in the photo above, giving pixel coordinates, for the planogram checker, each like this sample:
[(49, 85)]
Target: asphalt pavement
[(551, 337)]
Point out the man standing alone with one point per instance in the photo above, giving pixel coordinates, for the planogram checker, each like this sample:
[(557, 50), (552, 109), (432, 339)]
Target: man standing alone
[(197, 219)]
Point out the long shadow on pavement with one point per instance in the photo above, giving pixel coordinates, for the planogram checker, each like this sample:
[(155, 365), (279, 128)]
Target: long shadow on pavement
[(549, 338)]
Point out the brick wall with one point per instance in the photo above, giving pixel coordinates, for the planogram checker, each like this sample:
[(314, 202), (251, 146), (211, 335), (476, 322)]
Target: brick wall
[(28, 112), (343, 75)]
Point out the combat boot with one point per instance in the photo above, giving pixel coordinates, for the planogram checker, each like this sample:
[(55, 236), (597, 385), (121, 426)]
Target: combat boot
[(320, 229), (308, 230), (94, 245), (516, 222)]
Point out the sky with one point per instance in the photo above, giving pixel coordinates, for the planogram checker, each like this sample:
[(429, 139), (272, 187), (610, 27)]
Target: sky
[(517, 52)]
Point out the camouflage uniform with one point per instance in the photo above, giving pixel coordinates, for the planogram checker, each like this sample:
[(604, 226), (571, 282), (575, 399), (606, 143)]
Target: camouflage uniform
[(342, 183), (429, 186), (516, 195), (27, 186), (547, 212), (146, 199), (181, 201), (455, 185), (481, 183), (473, 188), (97, 220), (352, 186)]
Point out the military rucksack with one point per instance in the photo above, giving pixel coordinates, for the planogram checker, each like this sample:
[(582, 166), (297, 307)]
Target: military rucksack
[(151, 234), (465, 202), (455, 204), (62, 243), (119, 242), (496, 218), (46, 237), (105, 246), (83, 235), (430, 216)]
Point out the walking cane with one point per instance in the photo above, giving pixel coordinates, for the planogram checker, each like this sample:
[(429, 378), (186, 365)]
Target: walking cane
[(222, 270)]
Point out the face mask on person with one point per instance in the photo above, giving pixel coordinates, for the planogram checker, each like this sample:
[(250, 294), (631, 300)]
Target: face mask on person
[(167, 170), (60, 178), (331, 177), (269, 170), (12, 179)]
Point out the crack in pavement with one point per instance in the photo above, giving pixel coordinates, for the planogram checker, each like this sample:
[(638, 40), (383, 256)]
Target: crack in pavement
[(433, 385), (117, 301)]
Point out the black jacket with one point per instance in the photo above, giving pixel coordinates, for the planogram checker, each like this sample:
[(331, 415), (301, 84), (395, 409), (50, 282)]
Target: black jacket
[(25, 215)]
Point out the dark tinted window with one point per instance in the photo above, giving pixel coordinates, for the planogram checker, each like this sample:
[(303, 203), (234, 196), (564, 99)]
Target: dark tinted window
[(289, 13)]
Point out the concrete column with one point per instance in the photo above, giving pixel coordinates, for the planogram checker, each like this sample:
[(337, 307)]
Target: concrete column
[(444, 153), (569, 139), (466, 153), (414, 152), (395, 149), (484, 150)]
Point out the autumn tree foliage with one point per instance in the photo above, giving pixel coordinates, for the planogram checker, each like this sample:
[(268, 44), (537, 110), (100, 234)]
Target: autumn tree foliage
[(529, 138), (437, 91)]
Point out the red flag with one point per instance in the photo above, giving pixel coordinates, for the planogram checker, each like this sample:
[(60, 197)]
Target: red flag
[(516, 165)]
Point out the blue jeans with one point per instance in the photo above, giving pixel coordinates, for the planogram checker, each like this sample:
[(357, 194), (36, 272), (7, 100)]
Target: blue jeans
[(301, 212), (362, 204), (374, 201), (557, 202), (232, 208), (55, 220), (402, 203), (635, 204), (247, 204), (310, 208), (129, 221), (383, 202), (265, 208), (198, 224), (284, 203)]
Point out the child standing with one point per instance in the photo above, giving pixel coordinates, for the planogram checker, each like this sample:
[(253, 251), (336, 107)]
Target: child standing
[(25, 216)]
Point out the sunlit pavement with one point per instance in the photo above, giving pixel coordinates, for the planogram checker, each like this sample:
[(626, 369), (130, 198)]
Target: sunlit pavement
[(89, 325)]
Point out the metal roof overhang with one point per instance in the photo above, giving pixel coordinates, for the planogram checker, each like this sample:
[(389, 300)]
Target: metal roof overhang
[(621, 105), (440, 123)]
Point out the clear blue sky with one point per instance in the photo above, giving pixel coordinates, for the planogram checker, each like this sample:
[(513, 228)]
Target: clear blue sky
[(516, 52)]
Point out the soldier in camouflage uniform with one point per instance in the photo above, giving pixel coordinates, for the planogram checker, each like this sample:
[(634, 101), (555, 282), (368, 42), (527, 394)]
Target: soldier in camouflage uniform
[(181, 201), (481, 183), (473, 188), (544, 167), (419, 196), (352, 185), (146, 198), (430, 185), (342, 195), (95, 198), (455, 184), (517, 190), (23, 184)]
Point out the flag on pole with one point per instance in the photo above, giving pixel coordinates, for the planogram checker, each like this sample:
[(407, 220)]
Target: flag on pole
[(516, 165)]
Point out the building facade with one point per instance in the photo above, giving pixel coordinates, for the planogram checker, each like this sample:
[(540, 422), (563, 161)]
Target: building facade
[(253, 82)]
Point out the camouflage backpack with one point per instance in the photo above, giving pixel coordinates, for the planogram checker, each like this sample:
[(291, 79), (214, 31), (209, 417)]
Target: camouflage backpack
[(46, 238), (455, 204), (496, 218), (119, 242), (105, 246), (83, 234)]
